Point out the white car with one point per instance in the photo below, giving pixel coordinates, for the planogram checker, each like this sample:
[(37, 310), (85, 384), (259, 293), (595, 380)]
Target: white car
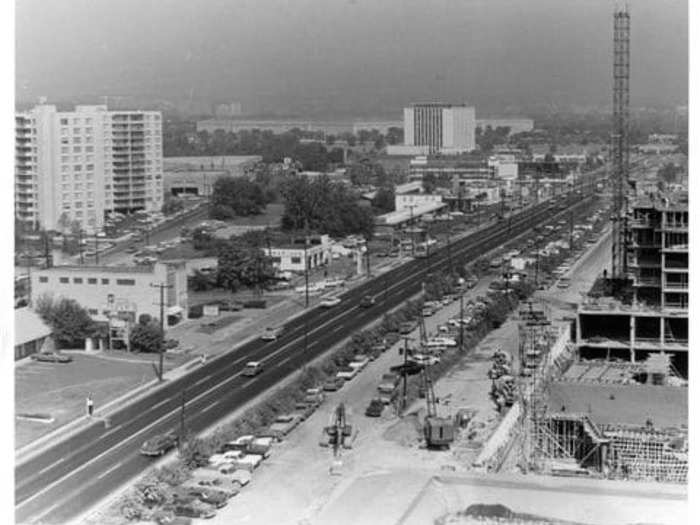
[(445, 341), (333, 283), (425, 360), (328, 302), (270, 334)]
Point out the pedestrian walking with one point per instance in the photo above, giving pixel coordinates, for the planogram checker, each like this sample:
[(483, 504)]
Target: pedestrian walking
[(90, 405), (202, 359)]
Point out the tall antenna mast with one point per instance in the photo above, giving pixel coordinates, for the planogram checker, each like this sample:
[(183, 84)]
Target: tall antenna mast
[(620, 140)]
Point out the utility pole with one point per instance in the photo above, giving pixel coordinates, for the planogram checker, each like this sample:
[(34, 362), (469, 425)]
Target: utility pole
[(306, 262), (181, 441), (449, 252), (461, 322), (571, 231), (413, 232), (369, 272), (97, 251), (162, 288), (404, 374)]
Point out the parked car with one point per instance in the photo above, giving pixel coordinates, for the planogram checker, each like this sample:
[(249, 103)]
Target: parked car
[(304, 409), (283, 425), (314, 395), (406, 327), (424, 360), (159, 445), (252, 368), (193, 510), (333, 384), (52, 357), (171, 343), (375, 408), (215, 497)]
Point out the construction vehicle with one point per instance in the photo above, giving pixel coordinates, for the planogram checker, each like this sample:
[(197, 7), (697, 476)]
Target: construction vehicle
[(439, 432), (503, 392), (338, 433)]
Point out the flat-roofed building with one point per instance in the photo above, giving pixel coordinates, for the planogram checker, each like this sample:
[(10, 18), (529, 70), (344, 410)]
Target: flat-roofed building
[(128, 290), (288, 254)]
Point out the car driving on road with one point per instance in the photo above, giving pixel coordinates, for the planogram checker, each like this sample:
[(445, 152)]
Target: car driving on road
[(367, 301), (329, 302), (159, 445), (270, 334), (252, 368)]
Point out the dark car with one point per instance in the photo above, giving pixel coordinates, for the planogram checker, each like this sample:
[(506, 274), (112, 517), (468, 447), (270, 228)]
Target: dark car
[(132, 249), (192, 510), (171, 343), (159, 445), (333, 384), (367, 301), (213, 497), (52, 357), (375, 408)]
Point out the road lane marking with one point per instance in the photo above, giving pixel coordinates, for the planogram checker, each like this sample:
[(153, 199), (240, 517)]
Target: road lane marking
[(161, 403), (109, 471)]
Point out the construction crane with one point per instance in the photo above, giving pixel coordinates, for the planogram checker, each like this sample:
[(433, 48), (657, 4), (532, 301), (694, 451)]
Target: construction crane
[(620, 141), (439, 432)]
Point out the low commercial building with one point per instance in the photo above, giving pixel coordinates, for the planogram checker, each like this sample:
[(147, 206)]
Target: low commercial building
[(515, 125), (32, 334), (288, 255), (197, 175), (127, 290)]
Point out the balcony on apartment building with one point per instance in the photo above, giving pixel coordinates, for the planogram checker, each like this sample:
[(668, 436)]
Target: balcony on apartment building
[(646, 281), (676, 282)]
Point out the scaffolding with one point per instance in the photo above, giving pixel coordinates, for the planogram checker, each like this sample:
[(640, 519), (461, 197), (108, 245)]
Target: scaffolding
[(647, 454)]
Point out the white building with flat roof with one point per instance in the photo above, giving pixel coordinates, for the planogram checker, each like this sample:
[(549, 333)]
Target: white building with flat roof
[(77, 166), (289, 257), (128, 290), (441, 128)]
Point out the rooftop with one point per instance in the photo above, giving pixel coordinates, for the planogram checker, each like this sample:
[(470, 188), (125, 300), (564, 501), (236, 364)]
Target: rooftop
[(616, 404), (29, 326), (98, 269)]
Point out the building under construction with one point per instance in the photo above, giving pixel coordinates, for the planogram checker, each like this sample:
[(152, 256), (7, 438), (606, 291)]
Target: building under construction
[(650, 314)]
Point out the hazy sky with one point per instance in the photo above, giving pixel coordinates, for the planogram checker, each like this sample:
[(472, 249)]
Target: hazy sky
[(361, 56)]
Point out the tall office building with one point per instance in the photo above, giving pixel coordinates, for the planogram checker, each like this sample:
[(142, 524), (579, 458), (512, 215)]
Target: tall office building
[(441, 128), (77, 166)]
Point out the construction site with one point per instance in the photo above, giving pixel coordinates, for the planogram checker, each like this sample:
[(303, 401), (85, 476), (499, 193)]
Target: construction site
[(614, 404)]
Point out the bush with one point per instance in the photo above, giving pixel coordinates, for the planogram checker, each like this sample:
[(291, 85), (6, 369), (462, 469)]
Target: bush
[(172, 475), (196, 453), (131, 507)]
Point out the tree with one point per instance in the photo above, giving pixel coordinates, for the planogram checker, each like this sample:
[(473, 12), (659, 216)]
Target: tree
[(201, 282), (667, 173), (236, 196), (325, 207), (70, 323), (172, 205), (240, 265), (147, 337), (384, 200)]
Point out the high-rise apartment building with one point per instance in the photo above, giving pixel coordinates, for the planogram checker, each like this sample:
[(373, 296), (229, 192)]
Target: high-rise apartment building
[(79, 165), (441, 128)]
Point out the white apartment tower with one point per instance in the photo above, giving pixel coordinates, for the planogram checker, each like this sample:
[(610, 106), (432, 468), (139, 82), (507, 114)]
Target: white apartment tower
[(442, 128), (79, 165)]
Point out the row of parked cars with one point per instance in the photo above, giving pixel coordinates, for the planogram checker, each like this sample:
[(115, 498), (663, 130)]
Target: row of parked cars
[(229, 469)]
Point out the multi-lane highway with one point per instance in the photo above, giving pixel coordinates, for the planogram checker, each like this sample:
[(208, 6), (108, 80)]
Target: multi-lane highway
[(63, 481)]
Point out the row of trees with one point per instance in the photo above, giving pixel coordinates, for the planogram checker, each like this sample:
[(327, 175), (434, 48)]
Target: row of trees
[(236, 196)]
